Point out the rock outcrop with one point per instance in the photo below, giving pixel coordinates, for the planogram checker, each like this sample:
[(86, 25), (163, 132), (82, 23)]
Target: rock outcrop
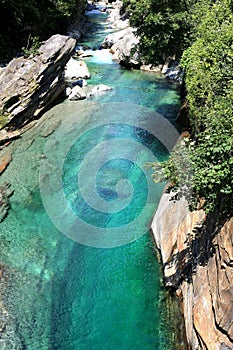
[(113, 38), (122, 44), (198, 263), (28, 86)]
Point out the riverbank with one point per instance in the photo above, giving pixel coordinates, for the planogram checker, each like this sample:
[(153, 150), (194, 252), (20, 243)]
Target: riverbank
[(196, 257)]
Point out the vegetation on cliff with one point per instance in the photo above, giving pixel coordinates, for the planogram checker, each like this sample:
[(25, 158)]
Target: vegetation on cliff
[(163, 26), (23, 20), (200, 34)]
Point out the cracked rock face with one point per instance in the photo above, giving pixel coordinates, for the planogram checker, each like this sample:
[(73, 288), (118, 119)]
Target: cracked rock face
[(198, 261), (30, 85)]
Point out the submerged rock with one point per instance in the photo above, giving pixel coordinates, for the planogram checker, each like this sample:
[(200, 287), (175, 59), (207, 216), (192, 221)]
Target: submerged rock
[(28, 86), (100, 88), (5, 193), (4, 161)]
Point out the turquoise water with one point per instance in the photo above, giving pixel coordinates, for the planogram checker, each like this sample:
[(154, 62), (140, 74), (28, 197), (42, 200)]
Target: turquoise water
[(64, 295)]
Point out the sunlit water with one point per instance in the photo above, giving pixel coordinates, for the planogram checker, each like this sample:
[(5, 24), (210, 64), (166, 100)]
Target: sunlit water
[(64, 295)]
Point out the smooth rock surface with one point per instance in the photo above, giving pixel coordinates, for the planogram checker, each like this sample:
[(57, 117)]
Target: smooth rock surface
[(30, 85), (76, 69), (112, 38)]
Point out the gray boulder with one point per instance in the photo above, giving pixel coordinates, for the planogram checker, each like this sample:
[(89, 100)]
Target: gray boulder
[(113, 38), (122, 49), (30, 85), (5, 193)]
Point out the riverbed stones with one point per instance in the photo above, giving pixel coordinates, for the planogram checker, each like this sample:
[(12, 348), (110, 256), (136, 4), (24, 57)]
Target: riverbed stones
[(28, 86), (5, 193), (116, 19), (5, 159)]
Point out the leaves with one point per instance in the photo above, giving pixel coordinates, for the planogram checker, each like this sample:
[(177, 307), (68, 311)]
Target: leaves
[(208, 64), (163, 27), (20, 19)]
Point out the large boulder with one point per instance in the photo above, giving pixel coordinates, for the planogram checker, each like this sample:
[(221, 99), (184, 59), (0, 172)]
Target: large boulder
[(122, 49), (113, 38), (28, 86), (76, 69)]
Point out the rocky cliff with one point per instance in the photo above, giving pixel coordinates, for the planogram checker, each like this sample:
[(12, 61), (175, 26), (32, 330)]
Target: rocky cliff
[(198, 262), (30, 85)]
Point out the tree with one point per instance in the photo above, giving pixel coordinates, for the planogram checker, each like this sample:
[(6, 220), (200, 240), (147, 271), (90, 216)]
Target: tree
[(163, 26), (22, 19), (209, 82)]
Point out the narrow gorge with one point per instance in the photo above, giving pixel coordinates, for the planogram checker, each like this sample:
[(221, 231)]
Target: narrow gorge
[(80, 214)]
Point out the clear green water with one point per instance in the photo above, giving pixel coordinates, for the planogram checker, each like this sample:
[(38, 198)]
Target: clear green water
[(64, 295)]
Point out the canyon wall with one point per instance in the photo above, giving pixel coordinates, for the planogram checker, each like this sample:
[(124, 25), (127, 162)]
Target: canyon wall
[(198, 262)]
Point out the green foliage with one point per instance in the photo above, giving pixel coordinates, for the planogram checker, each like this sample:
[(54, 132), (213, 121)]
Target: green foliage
[(209, 82), (3, 118), (20, 19), (163, 27), (33, 46)]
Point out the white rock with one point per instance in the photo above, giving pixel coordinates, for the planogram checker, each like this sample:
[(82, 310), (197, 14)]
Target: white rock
[(76, 69), (100, 88), (77, 93), (68, 91), (84, 83)]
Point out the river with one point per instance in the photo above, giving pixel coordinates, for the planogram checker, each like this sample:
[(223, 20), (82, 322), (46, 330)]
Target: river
[(80, 174)]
